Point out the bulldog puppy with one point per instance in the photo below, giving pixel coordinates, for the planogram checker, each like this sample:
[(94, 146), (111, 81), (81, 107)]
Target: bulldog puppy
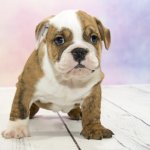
[(63, 74)]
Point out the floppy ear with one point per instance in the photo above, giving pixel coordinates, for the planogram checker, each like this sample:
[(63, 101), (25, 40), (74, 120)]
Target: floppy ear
[(41, 31), (105, 33), (41, 28)]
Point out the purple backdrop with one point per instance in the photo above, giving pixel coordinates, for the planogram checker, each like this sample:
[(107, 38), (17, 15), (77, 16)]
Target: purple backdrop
[(127, 61)]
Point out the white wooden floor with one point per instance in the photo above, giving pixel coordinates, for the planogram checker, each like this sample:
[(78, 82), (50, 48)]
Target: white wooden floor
[(125, 110)]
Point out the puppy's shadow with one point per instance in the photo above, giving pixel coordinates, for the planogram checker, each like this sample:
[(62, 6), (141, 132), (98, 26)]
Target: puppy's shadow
[(48, 127)]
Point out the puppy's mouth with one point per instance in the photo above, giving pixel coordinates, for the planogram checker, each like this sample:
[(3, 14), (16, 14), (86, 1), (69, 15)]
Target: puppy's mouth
[(80, 67)]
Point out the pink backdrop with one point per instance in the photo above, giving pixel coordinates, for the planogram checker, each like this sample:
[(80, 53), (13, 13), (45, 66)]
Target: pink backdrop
[(127, 61)]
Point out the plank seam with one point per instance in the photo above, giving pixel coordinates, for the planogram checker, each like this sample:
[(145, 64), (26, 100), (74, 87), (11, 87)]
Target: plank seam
[(140, 89), (106, 99), (77, 145), (121, 143)]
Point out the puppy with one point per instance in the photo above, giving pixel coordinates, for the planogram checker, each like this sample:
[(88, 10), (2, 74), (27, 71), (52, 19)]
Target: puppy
[(63, 74)]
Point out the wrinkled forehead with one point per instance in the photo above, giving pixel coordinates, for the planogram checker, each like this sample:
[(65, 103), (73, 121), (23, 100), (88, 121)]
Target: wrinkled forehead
[(74, 20)]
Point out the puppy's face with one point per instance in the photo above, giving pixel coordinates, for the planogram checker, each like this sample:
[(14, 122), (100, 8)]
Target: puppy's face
[(73, 40)]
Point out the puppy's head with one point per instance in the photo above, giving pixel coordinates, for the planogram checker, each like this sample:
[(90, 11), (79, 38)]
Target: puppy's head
[(74, 41)]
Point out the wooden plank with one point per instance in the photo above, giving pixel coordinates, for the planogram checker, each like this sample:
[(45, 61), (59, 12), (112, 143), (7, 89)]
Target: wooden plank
[(129, 130), (133, 100), (130, 133), (144, 88), (47, 130)]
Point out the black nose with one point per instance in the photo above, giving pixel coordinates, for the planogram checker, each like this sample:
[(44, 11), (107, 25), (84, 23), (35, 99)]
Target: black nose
[(79, 54)]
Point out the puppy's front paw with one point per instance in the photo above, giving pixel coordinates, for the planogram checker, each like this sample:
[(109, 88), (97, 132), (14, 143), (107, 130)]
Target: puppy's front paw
[(17, 133), (16, 129), (96, 131)]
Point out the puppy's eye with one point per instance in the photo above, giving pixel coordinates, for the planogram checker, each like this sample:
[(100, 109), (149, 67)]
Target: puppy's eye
[(59, 40), (94, 39)]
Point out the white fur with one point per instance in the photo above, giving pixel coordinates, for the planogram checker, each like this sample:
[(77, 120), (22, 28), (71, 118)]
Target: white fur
[(68, 19), (67, 62), (48, 88), (17, 129)]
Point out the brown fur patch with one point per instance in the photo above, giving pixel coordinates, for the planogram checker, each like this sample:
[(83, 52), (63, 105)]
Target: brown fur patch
[(32, 72), (105, 33), (75, 113), (91, 106), (89, 26), (92, 128), (41, 25), (25, 87), (92, 25), (55, 51), (33, 110)]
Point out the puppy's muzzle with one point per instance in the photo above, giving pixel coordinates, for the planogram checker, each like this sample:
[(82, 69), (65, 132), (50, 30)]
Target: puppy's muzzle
[(79, 54)]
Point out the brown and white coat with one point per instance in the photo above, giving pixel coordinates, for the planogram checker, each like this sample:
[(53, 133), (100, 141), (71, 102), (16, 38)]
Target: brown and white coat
[(51, 80)]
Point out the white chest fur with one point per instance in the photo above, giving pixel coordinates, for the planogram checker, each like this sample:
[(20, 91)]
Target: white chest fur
[(49, 90)]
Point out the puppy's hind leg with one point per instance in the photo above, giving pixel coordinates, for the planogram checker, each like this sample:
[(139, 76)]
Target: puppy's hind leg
[(19, 116), (33, 110), (75, 113)]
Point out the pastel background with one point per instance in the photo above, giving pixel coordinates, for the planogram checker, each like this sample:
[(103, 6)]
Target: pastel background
[(127, 61)]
